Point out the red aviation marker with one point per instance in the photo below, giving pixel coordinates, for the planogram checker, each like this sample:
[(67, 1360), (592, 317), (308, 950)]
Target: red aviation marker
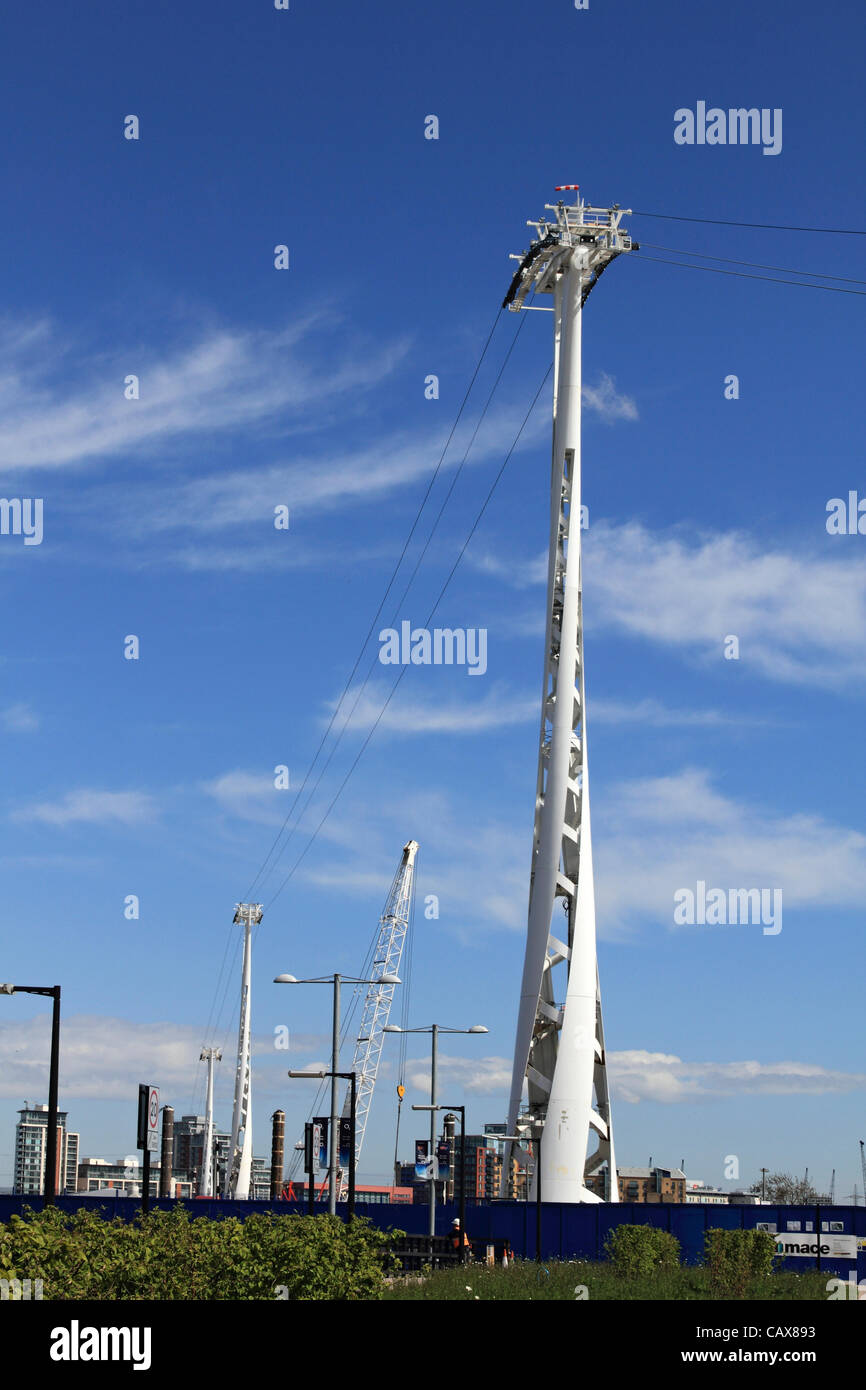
[(564, 187)]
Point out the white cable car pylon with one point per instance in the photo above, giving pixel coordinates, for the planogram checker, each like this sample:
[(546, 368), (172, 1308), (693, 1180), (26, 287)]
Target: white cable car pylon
[(239, 1167), (393, 926), (559, 1052)]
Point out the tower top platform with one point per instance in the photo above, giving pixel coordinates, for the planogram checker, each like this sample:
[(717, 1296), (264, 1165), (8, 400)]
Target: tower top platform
[(595, 232)]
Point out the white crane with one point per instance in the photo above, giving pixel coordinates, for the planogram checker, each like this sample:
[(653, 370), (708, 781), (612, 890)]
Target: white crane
[(393, 926)]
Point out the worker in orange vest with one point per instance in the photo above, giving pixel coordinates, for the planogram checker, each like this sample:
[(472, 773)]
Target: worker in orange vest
[(459, 1236)]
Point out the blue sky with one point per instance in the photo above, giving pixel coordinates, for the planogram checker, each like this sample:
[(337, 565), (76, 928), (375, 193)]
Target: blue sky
[(305, 387)]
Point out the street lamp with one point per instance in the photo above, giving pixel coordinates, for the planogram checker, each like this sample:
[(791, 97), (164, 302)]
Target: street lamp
[(335, 980), (352, 1078), (533, 1139), (51, 992), (434, 1029), (462, 1109)]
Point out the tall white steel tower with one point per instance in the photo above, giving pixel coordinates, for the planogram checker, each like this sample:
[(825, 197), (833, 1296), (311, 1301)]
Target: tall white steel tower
[(559, 1050), (393, 926), (239, 1166), (209, 1055)]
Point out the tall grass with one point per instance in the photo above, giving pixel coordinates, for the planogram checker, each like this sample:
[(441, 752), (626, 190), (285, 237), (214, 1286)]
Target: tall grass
[(525, 1281)]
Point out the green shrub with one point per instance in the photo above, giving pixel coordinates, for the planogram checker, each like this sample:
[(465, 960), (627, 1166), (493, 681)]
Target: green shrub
[(734, 1258), (636, 1251), (169, 1255)]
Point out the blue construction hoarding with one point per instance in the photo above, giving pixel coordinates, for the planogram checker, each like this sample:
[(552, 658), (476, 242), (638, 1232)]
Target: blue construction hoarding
[(568, 1232)]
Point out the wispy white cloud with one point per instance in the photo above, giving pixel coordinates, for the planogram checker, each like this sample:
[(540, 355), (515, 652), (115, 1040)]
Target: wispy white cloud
[(659, 1076), (641, 1075), (409, 713), (477, 1076), (103, 1057), (90, 805), (658, 835), (19, 719), (271, 552), (515, 572), (605, 401), (225, 380), (250, 795), (653, 714), (799, 615), (309, 482)]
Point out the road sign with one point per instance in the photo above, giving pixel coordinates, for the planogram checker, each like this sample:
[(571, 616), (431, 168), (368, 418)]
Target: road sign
[(148, 1118)]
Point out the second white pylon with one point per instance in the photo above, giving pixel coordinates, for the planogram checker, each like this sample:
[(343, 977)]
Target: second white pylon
[(559, 1051), (239, 1167)]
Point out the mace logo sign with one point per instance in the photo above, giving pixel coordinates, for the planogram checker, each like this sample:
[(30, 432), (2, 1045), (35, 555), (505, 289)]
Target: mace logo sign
[(806, 1247)]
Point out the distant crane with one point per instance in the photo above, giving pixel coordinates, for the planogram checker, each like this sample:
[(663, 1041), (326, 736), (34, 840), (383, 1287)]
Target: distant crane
[(863, 1165), (393, 926)]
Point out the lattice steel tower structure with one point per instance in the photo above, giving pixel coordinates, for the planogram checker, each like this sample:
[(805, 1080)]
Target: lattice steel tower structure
[(559, 1050)]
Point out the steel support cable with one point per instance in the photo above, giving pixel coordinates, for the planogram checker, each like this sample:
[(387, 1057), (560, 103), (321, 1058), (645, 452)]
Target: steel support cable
[(765, 226), (372, 666), (772, 279), (393, 691), (199, 1078), (755, 265), (375, 661), (250, 890), (390, 584), (430, 615)]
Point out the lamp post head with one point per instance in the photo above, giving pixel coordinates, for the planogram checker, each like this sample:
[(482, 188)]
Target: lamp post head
[(389, 979), (478, 1028), (285, 980), (392, 1028)]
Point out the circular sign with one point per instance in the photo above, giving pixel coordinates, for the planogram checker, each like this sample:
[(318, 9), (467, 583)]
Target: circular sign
[(154, 1109)]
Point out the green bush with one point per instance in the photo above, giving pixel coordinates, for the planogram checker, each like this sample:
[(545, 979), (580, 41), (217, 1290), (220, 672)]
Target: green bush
[(636, 1251), (734, 1258), (168, 1255)]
